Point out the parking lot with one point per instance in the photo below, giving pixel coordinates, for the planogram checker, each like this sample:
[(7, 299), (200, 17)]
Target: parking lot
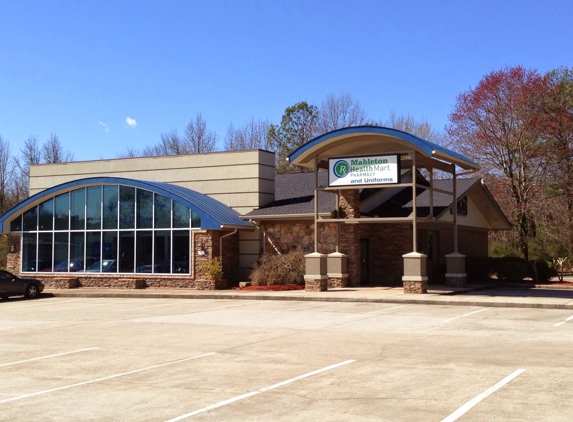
[(133, 359)]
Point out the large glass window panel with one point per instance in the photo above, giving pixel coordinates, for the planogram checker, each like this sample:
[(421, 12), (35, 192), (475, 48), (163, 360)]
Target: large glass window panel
[(162, 212), (78, 209), (110, 201), (126, 208), (181, 251), (45, 262), (93, 252), (180, 215), (46, 215), (109, 246), (162, 251), (31, 220), (77, 243), (144, 209), (16, 224), (144, 255), (126, 252), (195, 220), (29, 252), (62, 212), (94, 208), (61, 252)]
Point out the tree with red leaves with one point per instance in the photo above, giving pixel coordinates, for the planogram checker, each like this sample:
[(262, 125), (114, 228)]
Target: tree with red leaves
[(559, 133), (499, 123)]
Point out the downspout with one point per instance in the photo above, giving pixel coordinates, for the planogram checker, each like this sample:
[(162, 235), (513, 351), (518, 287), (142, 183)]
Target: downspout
[(221, 243)]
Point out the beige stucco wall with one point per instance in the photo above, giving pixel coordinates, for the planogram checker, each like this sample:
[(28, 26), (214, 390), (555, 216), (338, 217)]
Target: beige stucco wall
[(243, 180), (473, 219)]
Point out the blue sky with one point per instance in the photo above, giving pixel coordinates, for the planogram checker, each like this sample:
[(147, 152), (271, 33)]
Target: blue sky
[(81, 68)]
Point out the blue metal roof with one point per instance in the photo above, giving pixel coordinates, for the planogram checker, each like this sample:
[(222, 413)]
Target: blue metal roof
[(426, 146), (213, 213)]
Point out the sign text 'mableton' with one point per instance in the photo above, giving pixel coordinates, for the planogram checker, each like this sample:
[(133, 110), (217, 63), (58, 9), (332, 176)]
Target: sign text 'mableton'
[(372, 170)]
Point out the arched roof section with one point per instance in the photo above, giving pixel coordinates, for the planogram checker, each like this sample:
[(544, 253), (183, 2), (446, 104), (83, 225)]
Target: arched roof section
[(214, 214), (368, 140)]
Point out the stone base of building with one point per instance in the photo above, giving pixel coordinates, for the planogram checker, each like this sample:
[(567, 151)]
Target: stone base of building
[(210, 284), (456, 280), (334, 282), (316, 284), (416, 287), (63, 283)]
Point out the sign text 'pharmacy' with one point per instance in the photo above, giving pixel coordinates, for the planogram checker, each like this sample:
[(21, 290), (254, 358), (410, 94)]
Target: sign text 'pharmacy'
[(374, 170)]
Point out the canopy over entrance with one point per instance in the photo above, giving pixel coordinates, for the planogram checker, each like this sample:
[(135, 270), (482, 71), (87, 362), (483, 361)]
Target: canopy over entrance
[(366, 140), (376, 145)]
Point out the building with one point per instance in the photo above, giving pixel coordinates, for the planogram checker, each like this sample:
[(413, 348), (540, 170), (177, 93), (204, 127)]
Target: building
[(152, 222)]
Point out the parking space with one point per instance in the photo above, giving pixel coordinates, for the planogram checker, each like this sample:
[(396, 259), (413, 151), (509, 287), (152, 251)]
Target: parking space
[(110, 359)]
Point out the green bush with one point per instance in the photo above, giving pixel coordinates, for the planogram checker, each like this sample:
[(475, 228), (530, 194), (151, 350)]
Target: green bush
[(213, 268), (478, 268), (279, 269), (542, 270)]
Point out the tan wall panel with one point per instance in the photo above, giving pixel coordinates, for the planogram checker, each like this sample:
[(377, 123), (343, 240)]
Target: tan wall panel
[(243, 180), (250, 247)]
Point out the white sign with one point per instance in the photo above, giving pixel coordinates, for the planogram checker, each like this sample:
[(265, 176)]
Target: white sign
[(356, 171)]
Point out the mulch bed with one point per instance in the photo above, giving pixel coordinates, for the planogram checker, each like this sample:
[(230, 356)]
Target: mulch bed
[(275, 288)]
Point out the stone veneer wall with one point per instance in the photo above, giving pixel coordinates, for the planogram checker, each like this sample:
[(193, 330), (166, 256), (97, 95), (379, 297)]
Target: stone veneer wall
[(299, 236), (349, 238)]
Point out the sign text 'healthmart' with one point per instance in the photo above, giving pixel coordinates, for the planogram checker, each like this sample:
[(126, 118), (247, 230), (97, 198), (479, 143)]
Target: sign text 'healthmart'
[(356, 171)]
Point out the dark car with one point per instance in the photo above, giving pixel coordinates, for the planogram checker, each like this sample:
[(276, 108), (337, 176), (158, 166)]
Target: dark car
[(12, 285)]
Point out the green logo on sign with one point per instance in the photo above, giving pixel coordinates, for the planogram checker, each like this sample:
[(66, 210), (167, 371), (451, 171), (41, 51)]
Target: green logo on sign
[(341, 168)]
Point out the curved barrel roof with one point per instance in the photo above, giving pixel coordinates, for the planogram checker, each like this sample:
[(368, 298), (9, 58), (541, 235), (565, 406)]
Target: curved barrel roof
[(214, 214), (374, 139)]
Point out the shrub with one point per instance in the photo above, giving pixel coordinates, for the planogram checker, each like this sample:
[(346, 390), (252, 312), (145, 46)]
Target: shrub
[(213, 268), (478, 268), (542, 270), (279, 269), (511, 268)]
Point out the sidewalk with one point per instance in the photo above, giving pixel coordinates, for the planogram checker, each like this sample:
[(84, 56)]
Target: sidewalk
[(554, 297)]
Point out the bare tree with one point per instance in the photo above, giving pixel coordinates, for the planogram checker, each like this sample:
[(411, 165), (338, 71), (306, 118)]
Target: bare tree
[(253, 135), (6, 172), (54, 152), (198, 138), (340, 111), (421, 129)]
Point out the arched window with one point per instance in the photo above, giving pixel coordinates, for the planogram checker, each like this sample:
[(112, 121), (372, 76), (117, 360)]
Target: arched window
[(107, 228)]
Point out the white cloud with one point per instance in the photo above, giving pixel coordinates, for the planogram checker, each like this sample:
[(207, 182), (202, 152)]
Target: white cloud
[(104, 126), (130, 122)]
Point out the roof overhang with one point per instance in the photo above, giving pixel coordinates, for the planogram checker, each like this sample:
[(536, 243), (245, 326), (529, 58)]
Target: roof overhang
[(375, 140)]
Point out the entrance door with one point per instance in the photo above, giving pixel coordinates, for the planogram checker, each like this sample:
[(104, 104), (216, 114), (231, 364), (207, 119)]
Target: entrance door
[(364, 262)]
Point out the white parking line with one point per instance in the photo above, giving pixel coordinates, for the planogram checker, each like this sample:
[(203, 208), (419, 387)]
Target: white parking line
[(563, 322), (49, 356), (145, 307), (259, 391), (79, 384), (375, 312), (465, 315), (306, 307), (462, 410)]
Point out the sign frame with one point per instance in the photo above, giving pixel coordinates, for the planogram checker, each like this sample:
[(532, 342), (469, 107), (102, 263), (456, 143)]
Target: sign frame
[(394, 159)]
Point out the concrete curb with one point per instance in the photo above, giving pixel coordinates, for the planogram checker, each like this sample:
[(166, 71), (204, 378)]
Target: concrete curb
[(431, 299)]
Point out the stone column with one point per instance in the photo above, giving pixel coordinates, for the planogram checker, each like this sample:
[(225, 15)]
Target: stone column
[(415, 279), (349, 235), (315, 278), (337, 269), (456, 269)]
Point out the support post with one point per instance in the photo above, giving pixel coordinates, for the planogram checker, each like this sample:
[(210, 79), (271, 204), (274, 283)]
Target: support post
[(415, 278), (315, 277), (337, 269)]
